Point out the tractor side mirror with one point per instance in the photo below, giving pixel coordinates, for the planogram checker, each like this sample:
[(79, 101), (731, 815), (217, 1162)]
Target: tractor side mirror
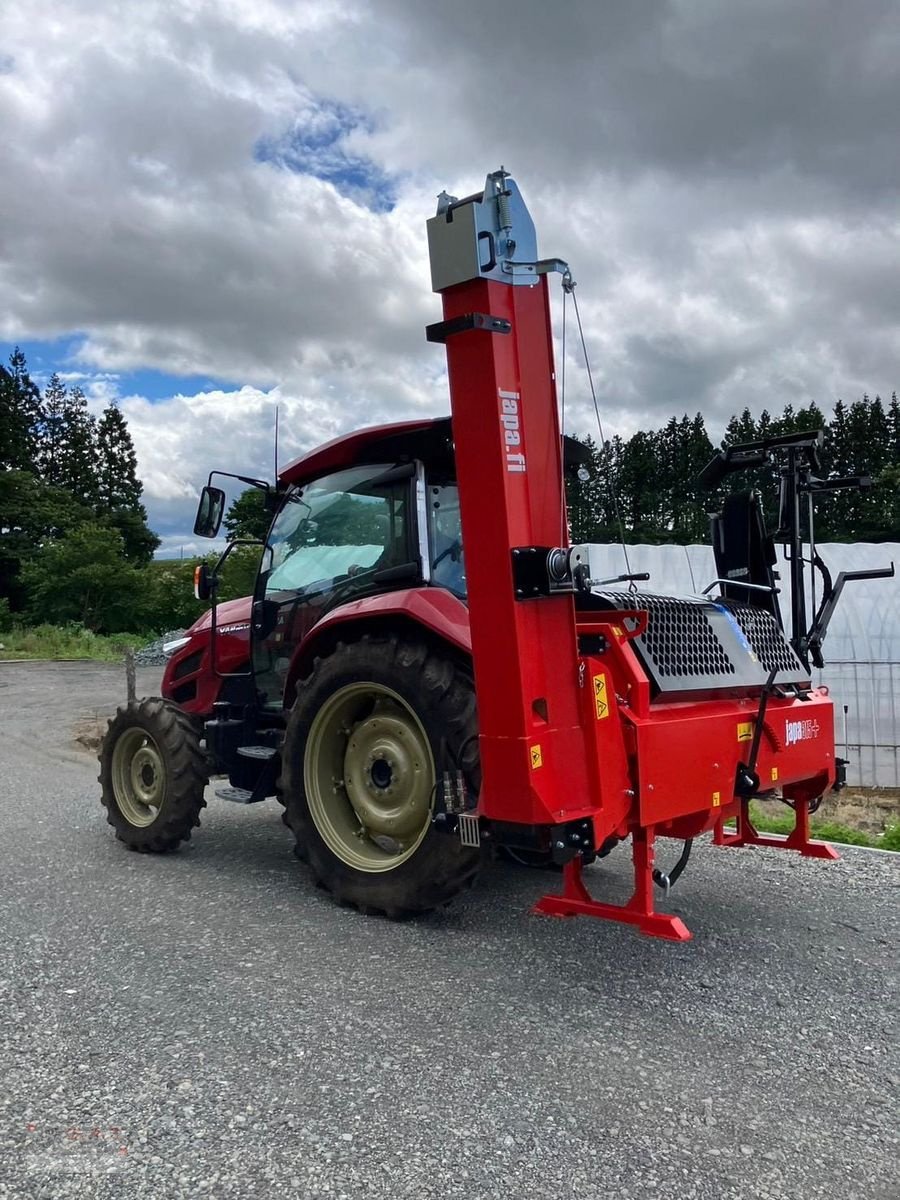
[(203, 585), (209, 512)]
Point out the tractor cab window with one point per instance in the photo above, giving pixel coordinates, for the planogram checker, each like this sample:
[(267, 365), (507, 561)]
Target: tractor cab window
[(329, 544), (339, 531), (445, 539)]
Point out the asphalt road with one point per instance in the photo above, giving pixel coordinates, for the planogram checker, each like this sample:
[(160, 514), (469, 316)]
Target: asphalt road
[(208, 1024)]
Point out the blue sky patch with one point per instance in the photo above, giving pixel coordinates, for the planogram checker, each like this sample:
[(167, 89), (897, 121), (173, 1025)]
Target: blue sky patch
[(316, 146), (61, 354)]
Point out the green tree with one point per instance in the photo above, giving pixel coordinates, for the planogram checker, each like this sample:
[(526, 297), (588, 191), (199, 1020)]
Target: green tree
[(583, 494), (639, 487), (20, 414), (84, 577), (138, 539), (171, 603), (171, 600), (740, 429), (118, 488), (78, 450), (31, 512), (611, 458), (238, 575), (247, 516), (117, 483), (51, 439), (683, 449), (891, 475), (865, 515)]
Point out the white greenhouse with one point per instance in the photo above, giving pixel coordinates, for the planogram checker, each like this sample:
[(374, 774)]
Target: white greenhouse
[(861, 649)]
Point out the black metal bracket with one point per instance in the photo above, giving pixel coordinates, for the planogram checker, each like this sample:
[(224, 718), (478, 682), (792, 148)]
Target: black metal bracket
[(441, 330), (840, 774), (532, 577), (529, 570), (592, 643)]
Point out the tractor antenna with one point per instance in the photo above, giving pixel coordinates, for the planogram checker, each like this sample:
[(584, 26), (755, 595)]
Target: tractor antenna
[(276, 445)]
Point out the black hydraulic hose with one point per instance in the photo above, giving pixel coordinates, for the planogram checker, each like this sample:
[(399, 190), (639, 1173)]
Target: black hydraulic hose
[(667, 882)]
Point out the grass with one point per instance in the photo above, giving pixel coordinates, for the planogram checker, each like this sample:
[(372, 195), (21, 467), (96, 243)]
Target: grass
[(67, 642), (827, 831)]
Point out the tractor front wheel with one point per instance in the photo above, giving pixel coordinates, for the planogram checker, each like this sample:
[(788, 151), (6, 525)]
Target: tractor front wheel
[(371, 735), (152, 774)]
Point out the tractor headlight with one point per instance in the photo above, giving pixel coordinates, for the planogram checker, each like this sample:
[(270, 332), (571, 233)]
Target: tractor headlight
[(169, 648)]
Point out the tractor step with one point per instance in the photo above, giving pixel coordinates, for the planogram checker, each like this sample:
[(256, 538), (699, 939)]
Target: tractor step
[(237, 795), (257, 751)]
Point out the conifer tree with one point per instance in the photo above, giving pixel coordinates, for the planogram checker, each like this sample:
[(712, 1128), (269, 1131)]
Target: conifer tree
[(78, 449), (50, 447), (610, 459), (740, 429), (117, 481), (583, 487), (20, 411), (118, 489)]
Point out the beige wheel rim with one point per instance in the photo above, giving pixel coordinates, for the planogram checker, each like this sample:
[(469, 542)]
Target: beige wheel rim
[(138, 777), (369, 777)]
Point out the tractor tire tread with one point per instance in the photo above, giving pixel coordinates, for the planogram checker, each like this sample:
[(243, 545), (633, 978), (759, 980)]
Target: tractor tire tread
[(178, 740), (448, 692)]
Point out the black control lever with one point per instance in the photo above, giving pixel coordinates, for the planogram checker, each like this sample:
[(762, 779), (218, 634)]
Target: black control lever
[(725, 463), (635, 577), (746, 782), (829, 604)]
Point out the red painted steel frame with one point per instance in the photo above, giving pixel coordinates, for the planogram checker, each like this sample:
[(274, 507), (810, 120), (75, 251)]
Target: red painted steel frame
[(534, 762), (746, 834), (547, 757), (575, 900)]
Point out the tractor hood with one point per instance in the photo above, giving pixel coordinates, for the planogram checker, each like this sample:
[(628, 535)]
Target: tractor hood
[(232, 616)]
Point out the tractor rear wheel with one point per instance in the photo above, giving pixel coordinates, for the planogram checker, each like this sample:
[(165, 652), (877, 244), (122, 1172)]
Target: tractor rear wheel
[(371, 734), (153, 774)]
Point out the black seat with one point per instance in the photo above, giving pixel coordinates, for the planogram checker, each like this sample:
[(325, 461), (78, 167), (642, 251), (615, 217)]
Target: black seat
[(744, 551)]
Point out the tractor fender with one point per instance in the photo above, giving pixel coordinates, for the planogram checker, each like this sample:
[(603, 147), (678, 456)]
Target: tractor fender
[(434, 609)]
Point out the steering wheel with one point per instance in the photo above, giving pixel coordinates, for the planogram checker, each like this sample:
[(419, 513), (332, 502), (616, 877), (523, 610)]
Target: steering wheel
[(454, 549)]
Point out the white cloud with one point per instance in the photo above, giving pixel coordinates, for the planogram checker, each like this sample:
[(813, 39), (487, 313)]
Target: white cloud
[(723, 181)]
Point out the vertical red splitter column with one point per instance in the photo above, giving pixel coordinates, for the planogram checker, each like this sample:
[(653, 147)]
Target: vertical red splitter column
[(497, 334)]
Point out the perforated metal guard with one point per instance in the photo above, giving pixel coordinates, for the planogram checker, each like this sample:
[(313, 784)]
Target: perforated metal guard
[(765, 637), (679, 637), (697, 645)]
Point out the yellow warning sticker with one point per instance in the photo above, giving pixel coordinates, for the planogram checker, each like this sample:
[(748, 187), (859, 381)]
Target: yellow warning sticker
[(774, 774), (717, 800), (600, 701), (745, 731), (536, 758)]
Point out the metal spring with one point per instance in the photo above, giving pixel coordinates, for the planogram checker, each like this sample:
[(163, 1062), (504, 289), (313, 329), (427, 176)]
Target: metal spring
[(505, 216)]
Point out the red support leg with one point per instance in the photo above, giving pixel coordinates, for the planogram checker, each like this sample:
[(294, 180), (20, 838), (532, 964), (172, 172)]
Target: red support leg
[(575, 900), (746, 834)]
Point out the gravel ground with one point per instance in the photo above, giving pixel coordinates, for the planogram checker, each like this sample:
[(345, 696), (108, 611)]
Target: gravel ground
[(152, 655), (208, 1024)]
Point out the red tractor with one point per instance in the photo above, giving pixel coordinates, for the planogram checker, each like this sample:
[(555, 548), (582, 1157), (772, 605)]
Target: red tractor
[(427, 669)]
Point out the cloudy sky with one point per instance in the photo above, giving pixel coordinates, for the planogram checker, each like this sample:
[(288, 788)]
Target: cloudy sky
[(212, 206)]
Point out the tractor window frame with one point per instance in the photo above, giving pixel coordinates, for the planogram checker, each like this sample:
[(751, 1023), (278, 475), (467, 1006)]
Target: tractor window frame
[(446, 568), (363, 482)]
